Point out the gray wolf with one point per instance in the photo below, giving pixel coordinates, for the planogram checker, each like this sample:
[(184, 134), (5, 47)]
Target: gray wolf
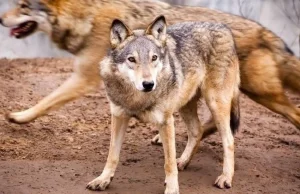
[(145, 70), (267, 66), (82, 27)]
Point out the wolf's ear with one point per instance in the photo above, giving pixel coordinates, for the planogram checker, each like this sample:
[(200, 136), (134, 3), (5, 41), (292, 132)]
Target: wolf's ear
[(118, 33), (158, 28)]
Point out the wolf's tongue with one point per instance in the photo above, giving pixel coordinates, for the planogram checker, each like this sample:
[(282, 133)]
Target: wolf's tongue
[(15, 30)]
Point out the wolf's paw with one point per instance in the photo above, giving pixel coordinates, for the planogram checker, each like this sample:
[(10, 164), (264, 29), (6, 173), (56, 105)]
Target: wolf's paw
[(171, 191), (99, 183), (223, 182), (20, 117), (172, 186), (182, 163), (156, 140)]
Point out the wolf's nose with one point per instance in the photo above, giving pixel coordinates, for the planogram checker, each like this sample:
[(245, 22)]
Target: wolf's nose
[(0, 20), (148, 86)]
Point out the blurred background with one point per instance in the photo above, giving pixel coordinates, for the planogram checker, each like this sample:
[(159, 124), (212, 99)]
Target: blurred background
[(280, 16)]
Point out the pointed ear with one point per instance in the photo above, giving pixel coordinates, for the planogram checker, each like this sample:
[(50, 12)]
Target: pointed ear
[(158, 28), (118, 33)]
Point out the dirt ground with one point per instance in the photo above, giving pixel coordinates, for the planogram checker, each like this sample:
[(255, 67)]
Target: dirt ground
[(61, 152)]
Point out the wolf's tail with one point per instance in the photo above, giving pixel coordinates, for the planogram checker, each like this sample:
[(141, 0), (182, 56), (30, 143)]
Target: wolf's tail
[(235, 113)]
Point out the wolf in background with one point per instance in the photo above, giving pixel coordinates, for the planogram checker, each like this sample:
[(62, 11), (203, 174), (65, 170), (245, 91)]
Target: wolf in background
[(79, 26), (145, 70), (82, 27)]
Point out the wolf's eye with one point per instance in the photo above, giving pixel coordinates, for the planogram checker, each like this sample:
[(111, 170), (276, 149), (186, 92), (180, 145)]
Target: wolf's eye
[(131, 59), (154, 58)]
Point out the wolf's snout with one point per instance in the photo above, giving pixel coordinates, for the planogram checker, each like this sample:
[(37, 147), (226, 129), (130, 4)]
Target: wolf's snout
[(148, 86), (1, 21)]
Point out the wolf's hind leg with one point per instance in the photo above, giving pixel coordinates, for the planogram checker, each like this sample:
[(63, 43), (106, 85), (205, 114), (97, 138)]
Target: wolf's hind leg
[(264, 80), (220, 108), (279, 103), (156, 140), (118, 128), (194, 131), (209, 128)]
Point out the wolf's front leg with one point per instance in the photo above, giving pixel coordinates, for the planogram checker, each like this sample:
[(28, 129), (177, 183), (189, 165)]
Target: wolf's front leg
[(167, 133), (85, 79), (119, 125), (74, 87)]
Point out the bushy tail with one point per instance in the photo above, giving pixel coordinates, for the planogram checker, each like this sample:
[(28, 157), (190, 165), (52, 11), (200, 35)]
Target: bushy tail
[(235, 114), (290, 72)]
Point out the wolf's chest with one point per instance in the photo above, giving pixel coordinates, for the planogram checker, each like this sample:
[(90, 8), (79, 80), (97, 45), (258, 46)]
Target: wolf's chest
[(130, 99), (144, 109)]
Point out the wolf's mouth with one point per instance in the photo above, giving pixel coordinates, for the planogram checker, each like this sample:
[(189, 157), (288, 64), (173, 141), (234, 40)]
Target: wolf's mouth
[(24, 29)]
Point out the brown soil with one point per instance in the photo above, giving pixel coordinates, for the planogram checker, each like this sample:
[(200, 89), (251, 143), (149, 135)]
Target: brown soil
[(61, 152)]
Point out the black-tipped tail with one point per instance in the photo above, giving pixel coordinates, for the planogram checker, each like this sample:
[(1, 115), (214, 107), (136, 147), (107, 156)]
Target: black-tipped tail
[(235, 115)]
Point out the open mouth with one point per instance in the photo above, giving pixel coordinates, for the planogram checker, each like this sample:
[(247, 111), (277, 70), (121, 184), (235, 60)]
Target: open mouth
[(24, 29)]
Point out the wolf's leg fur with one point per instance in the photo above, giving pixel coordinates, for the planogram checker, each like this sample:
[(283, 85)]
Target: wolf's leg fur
[(156, 140), (194, 130), (209, 128), (118, 128), (220, 110), (74, 87), (85, 79), (167, 133), (279, 103), (261, 81)]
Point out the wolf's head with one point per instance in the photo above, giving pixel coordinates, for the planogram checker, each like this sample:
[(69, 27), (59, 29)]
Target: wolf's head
[(28, 17), (138, 55)]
